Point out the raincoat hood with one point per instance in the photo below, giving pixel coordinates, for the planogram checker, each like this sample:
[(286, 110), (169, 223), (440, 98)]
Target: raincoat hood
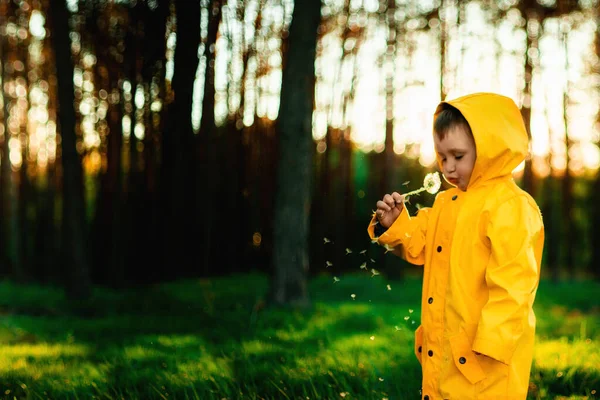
[(500, 135)]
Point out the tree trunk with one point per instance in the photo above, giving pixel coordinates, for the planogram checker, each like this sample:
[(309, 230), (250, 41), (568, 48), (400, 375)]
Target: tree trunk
[(74, 237), (594, 266), (207, 143), (567, 182), (526, 107), (177, 147), (10, 238), (292, 204)]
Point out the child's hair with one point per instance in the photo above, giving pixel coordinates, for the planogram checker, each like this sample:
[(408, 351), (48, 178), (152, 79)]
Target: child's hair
[(447, 119)]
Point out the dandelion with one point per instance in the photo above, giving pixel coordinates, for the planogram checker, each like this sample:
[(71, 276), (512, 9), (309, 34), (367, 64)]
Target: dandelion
[(348, 251), (431, 184), (336, 279), (363, 265)]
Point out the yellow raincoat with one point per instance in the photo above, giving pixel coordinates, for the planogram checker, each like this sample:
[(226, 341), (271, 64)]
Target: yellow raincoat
[(481, 250)]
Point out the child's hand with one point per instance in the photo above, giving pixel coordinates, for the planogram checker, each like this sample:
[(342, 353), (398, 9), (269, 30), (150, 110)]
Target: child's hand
[(389, 208)]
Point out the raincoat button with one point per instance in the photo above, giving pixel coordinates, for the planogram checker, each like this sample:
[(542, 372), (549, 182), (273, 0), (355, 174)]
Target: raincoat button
[(430, 353), (420, 349), (439, 249), (430, 300), (462, 360), (454, 197), (426, 397)]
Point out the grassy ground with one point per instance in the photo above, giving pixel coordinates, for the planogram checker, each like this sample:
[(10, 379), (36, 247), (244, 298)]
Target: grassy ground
[(214, 339)]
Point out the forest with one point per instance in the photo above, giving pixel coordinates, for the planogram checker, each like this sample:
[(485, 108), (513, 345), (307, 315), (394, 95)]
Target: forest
[(201, 146)]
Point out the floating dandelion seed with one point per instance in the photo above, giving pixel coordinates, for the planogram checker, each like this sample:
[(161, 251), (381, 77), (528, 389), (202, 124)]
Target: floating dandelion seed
[(348, 251), (388, 248), (406, 318), (353, 296), (406, 183), (375, 222), (410, 311), (336, 279), (380, 379), (363, 265), (389, 287), (370, 259), (372, 338), (328, 264), (325, 240), (397, 328), (374, 272), (364, 251), (413, 322), (375, 240)]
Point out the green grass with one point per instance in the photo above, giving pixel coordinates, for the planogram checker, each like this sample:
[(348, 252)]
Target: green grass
[(213, 339)]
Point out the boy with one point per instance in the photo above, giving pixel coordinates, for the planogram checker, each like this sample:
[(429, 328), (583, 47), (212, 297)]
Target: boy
[(481, 247)]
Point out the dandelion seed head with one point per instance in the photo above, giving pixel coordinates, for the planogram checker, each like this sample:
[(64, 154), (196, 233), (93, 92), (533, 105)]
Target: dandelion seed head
[(432, 182)]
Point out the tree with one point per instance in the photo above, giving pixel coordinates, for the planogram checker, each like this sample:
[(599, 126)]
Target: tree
[(74, 232), (292, 199)]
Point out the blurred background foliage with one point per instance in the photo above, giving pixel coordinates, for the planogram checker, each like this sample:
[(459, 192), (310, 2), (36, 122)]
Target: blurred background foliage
[(145, 141)]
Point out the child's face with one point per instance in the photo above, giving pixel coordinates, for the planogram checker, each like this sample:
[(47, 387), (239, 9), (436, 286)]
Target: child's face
[(457, 153)]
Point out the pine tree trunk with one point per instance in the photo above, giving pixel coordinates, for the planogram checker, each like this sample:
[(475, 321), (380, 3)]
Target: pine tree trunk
[(10, 238), (74, 235), (292, 204), (207, 143)]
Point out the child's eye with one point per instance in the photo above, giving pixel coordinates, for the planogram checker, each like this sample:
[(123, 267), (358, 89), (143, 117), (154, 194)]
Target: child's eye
[(458, 157)]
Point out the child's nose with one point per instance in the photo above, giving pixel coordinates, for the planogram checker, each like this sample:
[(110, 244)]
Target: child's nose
[(450, 166)]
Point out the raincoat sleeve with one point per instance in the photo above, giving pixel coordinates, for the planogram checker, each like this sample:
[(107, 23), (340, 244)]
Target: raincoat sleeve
[(408, 233), (516, 233)]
